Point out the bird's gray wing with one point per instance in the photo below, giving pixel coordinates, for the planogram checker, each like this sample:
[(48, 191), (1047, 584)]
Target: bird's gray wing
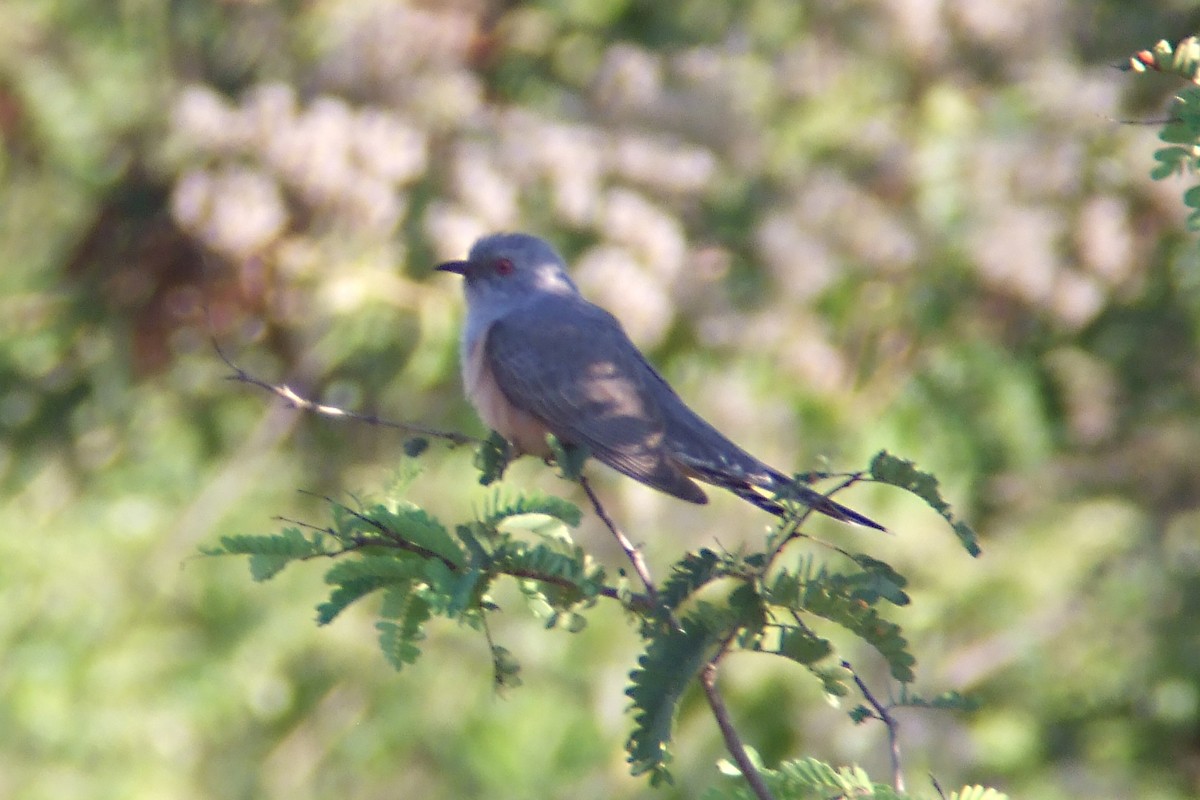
[(570, 364)]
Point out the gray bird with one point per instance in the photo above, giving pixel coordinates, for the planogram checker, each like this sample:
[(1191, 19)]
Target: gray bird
[(538, 358)]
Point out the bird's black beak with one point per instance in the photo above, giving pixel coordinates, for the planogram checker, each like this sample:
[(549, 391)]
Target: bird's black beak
[(457, 267)]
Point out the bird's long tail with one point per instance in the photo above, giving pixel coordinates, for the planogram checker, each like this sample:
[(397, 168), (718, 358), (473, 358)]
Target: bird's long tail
[(786, 489)]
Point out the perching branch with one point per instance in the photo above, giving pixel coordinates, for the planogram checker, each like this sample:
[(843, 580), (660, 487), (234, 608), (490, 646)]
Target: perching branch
[(631, 552), (708, 676), (304, 404)]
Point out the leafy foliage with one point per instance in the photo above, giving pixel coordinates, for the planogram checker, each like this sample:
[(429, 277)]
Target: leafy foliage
[(713, 603), (424, 570), (690, 574), (500, 507), (1182, 59), (405, 615), (270, 554), (836, 599), (886, 468), (491, 458), (569, 458), (1182, 133), (807, 779), (356, 579), (945, 700), (811, 779), (664, 671)]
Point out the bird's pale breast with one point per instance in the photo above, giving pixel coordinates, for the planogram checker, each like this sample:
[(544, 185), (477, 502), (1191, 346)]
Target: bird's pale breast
[(519, 427)]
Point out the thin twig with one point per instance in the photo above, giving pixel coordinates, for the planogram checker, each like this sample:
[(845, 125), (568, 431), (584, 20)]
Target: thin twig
[(497, 677), (884, 715), (304, 404), (733, 742), (631, 552), (708, 676)]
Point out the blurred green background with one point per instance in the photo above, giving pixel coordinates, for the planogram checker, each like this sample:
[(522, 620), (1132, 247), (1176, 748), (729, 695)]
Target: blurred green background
[(837, 227)]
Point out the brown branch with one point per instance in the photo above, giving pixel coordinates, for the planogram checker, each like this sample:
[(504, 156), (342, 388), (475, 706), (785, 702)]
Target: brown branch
[(708, 676), (634, 554), (733, 742), (883, 714), (290, 396)]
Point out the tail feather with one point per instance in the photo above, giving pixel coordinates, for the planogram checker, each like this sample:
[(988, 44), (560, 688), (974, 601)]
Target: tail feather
[(785, 489)]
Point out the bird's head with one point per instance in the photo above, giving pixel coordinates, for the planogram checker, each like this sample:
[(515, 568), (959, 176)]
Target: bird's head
[(511, 267)]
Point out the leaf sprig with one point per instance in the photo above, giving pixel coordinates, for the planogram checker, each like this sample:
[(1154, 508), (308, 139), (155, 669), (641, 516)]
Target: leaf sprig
[(713, 602)]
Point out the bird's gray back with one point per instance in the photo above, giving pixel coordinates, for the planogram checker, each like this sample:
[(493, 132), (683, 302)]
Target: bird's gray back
[(570, 364)]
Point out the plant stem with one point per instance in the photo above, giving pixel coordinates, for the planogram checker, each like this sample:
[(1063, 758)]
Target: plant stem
[(304, 404), (884, 715), (631, 552), (733, 742)]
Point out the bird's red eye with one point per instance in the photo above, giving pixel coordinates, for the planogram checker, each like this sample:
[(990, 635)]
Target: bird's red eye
[(503, 266)]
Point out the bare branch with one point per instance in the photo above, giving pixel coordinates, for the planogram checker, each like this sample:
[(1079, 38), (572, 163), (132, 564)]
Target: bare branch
[(289, 395), (633, 553), (883, 714), (733, 742)]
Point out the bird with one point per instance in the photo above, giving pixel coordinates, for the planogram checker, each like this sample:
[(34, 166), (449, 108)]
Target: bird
[(538, 358)]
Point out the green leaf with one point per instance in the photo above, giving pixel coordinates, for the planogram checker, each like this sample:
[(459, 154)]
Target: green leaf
[(878, 579), (569, 458), (492, 458), (949, 701), (405, 613), (466, 534), (977, 793), (500, 507), (536, 602), (1193, 221), (802, 645), (270, 554), (358, 578), (570, 576), (664, 671), (415, 446), (808, 779), (833, 679), (860, 714), (831, 598), (397, 649), (1177, 133), (689, 574), (506, 670), (886, 468), (412, 524), (468, 586), (749, 613), (1171, 161)]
